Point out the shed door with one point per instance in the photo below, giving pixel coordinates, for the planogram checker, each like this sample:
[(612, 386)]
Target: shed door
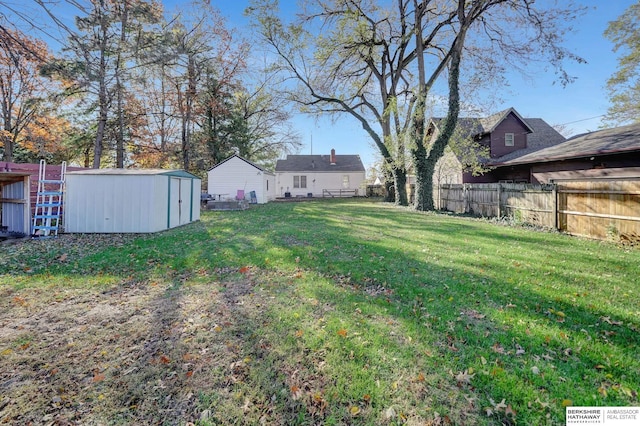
[(180, 202)]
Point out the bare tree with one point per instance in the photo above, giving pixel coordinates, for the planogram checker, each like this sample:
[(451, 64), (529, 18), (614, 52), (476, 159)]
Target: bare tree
[(380, 61)]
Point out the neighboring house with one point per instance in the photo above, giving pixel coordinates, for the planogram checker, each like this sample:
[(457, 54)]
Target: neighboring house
[(506, 135), (235, 176), (612, 153), (320, 175)]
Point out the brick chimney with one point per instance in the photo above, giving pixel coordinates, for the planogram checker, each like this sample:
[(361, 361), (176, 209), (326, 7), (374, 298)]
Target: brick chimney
[(333, 157)]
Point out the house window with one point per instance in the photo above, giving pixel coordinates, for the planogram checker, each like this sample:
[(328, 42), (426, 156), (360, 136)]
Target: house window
[(345, 181), (267, 184), (508, 139), (299, 181)]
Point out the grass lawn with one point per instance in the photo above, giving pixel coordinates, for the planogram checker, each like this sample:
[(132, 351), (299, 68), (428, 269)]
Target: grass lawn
[(319, 312)]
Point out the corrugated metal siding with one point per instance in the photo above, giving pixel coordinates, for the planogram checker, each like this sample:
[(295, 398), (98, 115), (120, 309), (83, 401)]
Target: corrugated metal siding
[(15, 215), (106, 204), (130, 203)]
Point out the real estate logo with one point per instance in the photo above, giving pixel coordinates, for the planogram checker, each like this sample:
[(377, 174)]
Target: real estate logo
[(614, 416)]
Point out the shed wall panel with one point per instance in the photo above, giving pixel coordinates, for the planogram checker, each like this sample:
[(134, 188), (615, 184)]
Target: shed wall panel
[(16, 216), (113, 203)]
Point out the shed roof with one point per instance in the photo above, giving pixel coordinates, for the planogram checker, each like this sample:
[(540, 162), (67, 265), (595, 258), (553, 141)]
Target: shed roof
[(12, 177), (320, 163), (617, 140), (262, 169), (134, 172)]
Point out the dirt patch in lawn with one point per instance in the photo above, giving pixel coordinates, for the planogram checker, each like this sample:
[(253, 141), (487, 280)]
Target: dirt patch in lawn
[(131, 354)]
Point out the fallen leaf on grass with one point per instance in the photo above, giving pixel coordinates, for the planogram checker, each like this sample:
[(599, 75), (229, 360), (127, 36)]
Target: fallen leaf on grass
[(20, 301), (567, 402), (497, 348), (390, 413), (464, 377), (296, 392), (98, 377), (609, 321), (342, 333), (244, 270), (63, 257), (164, 359), (354, 411)]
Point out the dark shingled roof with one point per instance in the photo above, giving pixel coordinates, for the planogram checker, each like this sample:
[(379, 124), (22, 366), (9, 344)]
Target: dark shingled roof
[(474, 126), (541, 134), (602, 142), (320, 163)]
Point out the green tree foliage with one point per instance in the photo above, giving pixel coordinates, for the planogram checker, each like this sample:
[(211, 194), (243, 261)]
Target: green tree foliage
[(624, 84)]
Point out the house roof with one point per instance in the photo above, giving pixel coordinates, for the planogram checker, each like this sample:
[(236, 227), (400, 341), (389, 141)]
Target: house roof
[(262, 169), (602, 142), (477, 126), (543, 136), (540, 134), (320, 163)]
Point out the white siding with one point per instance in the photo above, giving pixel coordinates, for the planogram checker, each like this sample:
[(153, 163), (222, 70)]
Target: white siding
[(319, 181), (112, 203), (235, 174), (195, 200)]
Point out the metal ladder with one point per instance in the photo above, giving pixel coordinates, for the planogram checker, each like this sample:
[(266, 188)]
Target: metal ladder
[(47, 219)]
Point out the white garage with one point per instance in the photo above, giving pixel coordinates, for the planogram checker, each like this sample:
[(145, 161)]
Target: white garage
[(237, 176), (130, 200)]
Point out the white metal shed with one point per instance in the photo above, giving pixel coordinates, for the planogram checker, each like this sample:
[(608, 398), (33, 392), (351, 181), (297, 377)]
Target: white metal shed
[(130, 200), (237, 174)]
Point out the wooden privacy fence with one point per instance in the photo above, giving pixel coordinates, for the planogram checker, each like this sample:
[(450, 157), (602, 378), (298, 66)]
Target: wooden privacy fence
[(595, 208)]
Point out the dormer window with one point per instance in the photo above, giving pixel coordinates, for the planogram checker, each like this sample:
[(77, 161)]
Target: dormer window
[(509, 139)]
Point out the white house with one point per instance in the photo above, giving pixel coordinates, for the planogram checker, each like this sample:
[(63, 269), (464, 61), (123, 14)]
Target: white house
[(236, 175), (320, 175), (130, 200)]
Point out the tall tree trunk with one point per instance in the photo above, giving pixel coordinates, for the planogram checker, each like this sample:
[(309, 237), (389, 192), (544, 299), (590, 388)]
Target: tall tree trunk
[(7, 141), (103, 106), (120, 149), (186, 122), (426, 163)]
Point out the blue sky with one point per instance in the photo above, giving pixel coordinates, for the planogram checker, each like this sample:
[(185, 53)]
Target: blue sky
[(579, 106)]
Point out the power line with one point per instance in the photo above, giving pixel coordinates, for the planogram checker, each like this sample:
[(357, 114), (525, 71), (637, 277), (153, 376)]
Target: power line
[(584, 119)]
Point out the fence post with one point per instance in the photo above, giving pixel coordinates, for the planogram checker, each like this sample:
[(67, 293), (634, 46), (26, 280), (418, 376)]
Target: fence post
[(499, 189), (555, 206), (465, 198)]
